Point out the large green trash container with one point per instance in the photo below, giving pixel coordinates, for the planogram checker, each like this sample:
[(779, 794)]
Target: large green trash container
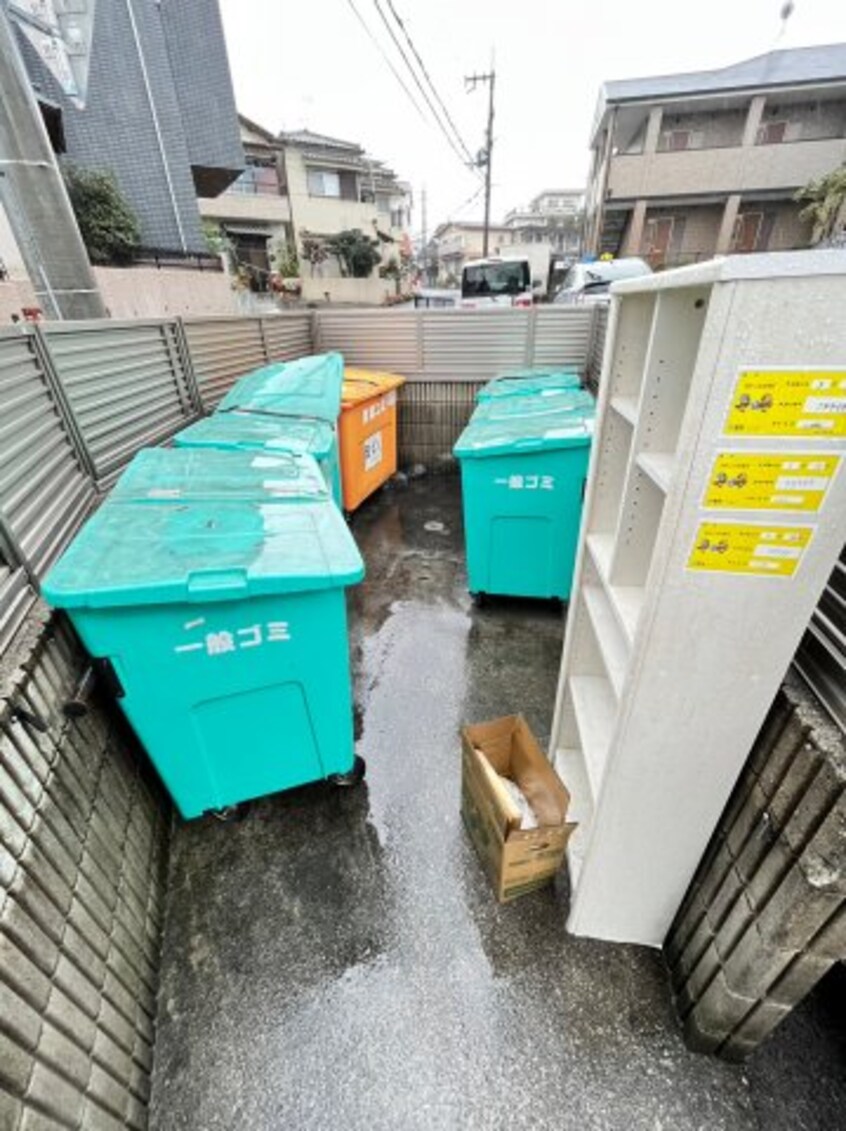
[(309, 386), (529, 382), (248, 431), (522, 482), (536, 407), (221, 621)]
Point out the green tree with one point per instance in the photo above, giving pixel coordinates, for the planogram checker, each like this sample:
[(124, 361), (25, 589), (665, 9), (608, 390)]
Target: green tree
[(357, 253), (825, 205), (109, 227), (285, 260)]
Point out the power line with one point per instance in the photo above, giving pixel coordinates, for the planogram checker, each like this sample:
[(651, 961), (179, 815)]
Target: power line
[(381, 51), (418, 83), (468, 155)]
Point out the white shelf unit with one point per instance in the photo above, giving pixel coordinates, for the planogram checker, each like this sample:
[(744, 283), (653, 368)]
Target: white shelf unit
[(667, 672)]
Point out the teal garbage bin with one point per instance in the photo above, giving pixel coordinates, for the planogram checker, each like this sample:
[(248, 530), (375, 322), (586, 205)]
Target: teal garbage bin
[(248, 431), (221, 623), (171, 474), (529, 382), (309, 386), (536, 407), (522, 483)]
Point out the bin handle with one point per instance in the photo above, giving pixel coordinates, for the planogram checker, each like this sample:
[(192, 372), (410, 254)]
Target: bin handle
[(529, 442), (209, 584)]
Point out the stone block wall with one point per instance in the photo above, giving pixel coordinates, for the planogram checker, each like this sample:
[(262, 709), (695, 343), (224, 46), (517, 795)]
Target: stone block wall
[(83, 843), (765, 916)]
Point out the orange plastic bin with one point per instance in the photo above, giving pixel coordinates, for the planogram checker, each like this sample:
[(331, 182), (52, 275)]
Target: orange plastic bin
[(367, 432)]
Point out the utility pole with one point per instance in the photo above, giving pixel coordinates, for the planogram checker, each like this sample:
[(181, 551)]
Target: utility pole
[(425, 238), (35, 199), (484, 158)]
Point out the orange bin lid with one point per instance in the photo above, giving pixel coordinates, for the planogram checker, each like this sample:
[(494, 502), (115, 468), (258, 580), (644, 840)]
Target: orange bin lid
[(363, 384)]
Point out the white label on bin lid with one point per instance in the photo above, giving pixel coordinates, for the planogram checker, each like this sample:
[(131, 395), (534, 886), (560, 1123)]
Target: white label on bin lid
[(164, 493)]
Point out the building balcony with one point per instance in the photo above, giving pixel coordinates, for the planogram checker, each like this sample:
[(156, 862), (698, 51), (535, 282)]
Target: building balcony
[(686, 172), (258, 208)]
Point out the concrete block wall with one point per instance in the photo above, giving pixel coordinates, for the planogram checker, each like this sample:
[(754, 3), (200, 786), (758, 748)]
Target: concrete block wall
[(765, 916), (83, 842)]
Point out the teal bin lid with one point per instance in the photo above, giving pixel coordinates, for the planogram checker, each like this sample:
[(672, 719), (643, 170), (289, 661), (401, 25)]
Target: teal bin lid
[(248, 431), (520, 434), (575, 401), (172, 474), (529, 382), (199, 550), (309, 386)]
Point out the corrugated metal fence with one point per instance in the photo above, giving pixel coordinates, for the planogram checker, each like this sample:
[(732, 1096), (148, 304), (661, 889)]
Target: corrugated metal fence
[(79, 399)]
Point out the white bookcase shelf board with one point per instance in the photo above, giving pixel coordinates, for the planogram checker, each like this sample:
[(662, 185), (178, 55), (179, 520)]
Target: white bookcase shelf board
[(715, 512)]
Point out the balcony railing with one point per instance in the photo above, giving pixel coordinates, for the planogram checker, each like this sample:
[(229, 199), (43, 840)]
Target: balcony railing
[(257, 181)]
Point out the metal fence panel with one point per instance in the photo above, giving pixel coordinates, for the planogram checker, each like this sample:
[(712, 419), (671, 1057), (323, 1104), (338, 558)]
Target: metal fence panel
[(222, 350), (44, 492), (562, 335), (16, 599), (596, 349), (287, 336), (126, 385), (377, 339), (467, 345)]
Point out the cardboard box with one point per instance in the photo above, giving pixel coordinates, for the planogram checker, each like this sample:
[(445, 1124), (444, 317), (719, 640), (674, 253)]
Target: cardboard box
[(517, 860)]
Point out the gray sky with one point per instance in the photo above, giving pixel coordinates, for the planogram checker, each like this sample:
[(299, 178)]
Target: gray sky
[(311, 64)]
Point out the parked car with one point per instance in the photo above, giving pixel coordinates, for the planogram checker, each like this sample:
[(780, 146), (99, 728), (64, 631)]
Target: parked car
[(590, 282)]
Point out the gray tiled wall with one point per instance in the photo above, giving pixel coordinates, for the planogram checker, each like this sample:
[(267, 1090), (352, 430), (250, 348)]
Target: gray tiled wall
[(765, 916), (83, 840)]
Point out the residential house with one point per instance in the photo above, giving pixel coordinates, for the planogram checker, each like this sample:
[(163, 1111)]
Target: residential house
[(691, 165), (334, 186), (456, 241), (553, 217), (254, 212), (143, 91)]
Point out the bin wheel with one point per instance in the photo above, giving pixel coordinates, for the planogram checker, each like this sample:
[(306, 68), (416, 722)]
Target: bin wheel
[(352, 777), (228, 814), (479, 599)]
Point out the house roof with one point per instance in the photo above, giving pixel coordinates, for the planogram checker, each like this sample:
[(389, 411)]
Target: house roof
[(254, 128), (792, 67), (309, 138)]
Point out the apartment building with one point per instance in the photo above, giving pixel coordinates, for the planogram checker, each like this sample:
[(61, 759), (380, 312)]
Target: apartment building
[(142, 91), (691, 165), (553, 217), (456, 241)]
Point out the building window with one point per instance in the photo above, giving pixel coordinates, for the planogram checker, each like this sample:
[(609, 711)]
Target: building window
[(321, 183), (752, 231), (397, 217), (672, 140), (771, 133)]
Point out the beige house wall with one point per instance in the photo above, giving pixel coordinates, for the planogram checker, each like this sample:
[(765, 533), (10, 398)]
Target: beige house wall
[(141, 292), (759, 167), (259, 208)]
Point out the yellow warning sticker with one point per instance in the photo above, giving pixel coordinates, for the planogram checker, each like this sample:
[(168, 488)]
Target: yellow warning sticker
[(729, 547), (777, 481), (788, 402)]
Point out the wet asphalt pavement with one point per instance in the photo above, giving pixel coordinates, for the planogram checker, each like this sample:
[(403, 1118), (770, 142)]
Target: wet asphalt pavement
[(336, 960)]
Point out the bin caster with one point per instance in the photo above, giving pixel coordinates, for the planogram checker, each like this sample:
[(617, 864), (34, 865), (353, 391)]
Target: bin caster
[(479, 599), (352, 777), (230, 813)]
